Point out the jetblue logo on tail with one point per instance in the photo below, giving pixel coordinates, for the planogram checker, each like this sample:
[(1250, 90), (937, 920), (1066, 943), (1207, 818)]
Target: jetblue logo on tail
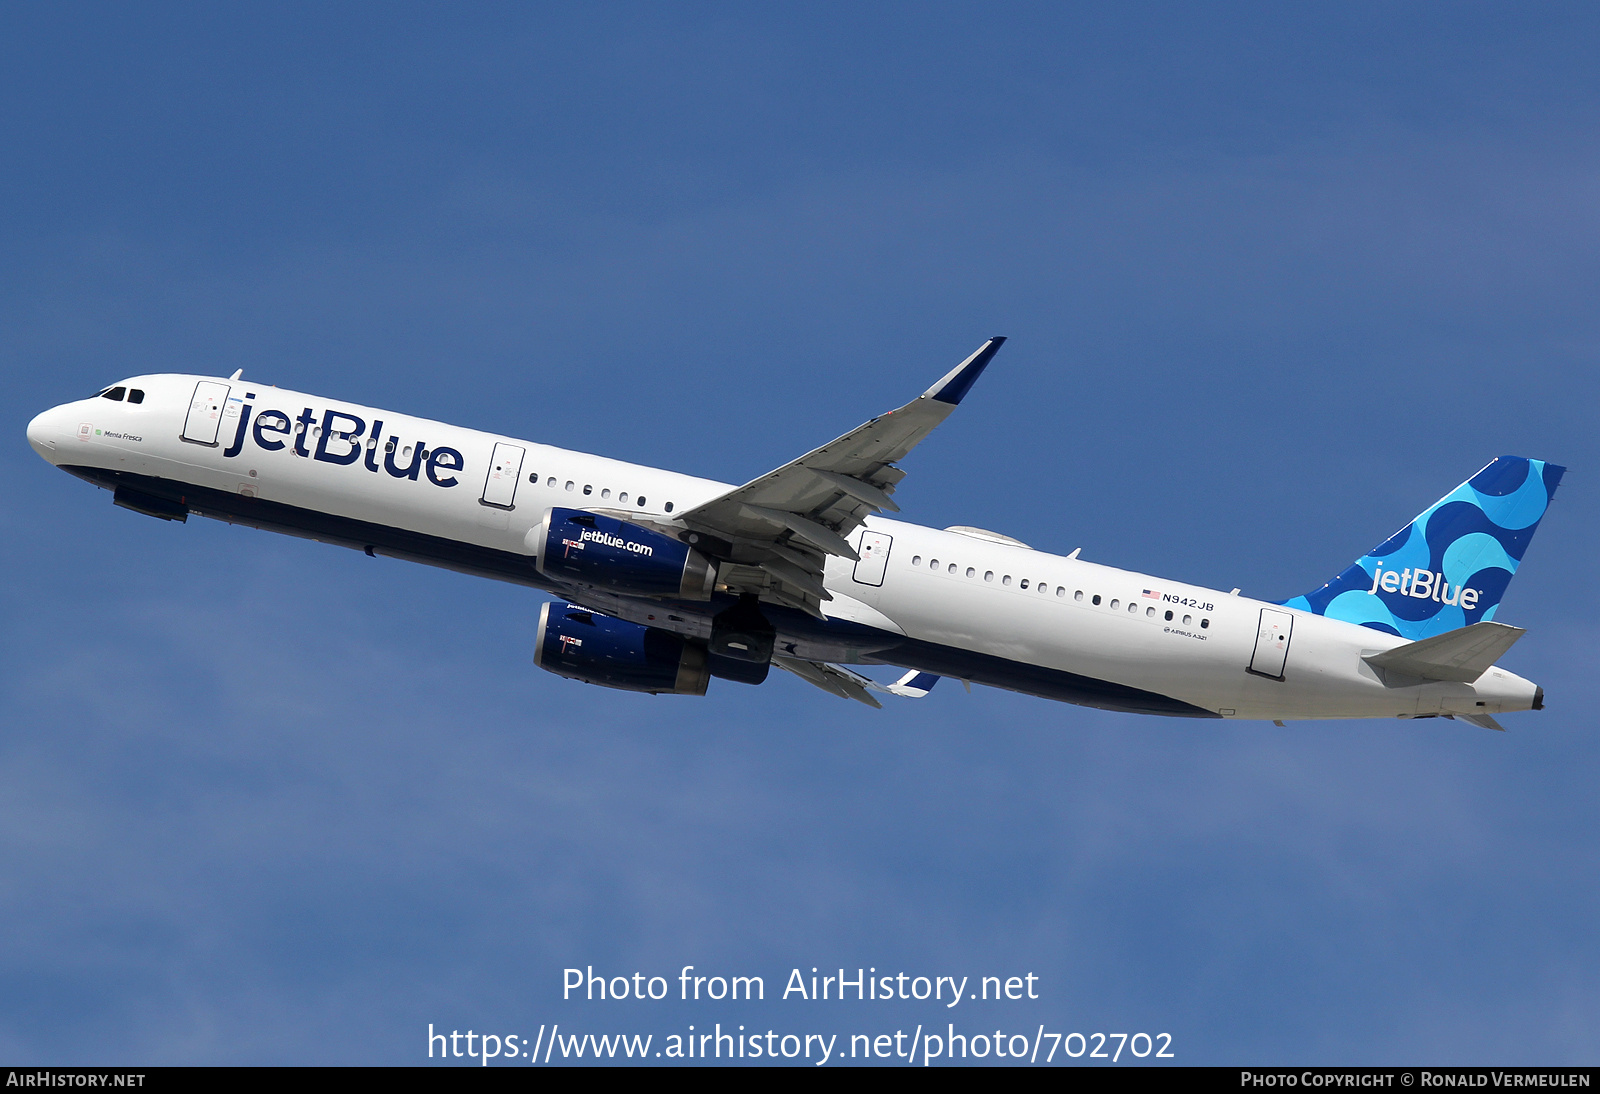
[(1450, 566), (1424, 585)]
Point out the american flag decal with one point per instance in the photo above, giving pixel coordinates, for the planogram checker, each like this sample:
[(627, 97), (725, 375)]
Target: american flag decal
[(1151, 594)]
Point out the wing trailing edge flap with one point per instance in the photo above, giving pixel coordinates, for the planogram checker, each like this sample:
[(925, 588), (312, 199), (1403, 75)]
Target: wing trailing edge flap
[(808, 508), (1460, 655), (840, 681), (833, 679)]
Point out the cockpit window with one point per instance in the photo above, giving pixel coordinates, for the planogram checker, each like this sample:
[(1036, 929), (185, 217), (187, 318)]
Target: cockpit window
[(135, 395), (115, 394)]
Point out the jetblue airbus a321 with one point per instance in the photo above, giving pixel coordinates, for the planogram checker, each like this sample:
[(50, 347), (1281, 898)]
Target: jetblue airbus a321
[(667, 581)]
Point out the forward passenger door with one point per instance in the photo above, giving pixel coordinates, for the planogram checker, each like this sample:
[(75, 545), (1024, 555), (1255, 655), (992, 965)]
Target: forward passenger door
[(205, 412)]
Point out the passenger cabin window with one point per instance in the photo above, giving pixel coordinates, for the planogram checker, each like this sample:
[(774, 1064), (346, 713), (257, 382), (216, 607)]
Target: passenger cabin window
[(916, 560), (115, 394), (135, 395), (1096, 599), (1078, 596), (988, 575), (1114, 605), (1006, 580), (669, 507), (639, 500), (971, 572), (1023, 584), (1169, 617), (1205, 623)]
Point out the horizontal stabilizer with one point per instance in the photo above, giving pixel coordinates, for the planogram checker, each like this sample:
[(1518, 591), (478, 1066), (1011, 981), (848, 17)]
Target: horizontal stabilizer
[(1459, 655), (1481, 720)]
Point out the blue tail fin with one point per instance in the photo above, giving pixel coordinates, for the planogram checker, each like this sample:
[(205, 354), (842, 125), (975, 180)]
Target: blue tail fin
[(1449, 567)]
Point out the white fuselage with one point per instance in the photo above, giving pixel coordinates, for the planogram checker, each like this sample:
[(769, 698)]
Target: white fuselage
[(351, 474)]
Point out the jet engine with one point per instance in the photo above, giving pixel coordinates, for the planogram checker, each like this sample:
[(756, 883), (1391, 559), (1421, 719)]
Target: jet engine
[(617, 555), (583, 645)]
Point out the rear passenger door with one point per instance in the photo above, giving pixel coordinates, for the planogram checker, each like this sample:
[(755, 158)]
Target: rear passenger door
[(1272, 643)]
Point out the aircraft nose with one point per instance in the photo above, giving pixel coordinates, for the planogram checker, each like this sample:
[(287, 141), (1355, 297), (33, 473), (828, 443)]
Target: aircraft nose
[(44, 433)]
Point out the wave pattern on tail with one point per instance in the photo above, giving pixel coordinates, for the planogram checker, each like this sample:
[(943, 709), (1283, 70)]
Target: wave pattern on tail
[(1450, 566)]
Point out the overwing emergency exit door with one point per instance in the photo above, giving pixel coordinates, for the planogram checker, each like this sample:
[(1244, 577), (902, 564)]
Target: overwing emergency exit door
[(874, 552), (505, 468), (1272, 643), (205, 412)]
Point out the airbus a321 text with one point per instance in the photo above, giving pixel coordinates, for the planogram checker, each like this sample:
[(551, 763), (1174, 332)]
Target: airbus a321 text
[(668, 580)]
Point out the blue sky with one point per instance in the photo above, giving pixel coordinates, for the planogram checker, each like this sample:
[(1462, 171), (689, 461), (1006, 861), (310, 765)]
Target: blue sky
[(1274, 278)]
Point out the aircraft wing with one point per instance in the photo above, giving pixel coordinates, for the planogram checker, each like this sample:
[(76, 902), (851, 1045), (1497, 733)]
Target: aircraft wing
[(776, 531)]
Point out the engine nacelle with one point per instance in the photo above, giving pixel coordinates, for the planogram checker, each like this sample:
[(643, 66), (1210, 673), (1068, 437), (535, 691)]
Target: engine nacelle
[(582, 645), (608, 553)]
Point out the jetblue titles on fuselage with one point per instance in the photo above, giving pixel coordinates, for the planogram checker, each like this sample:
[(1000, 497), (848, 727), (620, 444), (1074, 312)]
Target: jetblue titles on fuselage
[(340, 441)]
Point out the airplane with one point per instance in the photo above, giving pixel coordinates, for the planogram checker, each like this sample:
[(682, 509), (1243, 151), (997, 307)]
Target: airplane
[(667, 581)]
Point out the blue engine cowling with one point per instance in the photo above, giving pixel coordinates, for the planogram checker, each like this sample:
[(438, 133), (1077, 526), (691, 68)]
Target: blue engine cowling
[(613, 554), (583, 645)]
